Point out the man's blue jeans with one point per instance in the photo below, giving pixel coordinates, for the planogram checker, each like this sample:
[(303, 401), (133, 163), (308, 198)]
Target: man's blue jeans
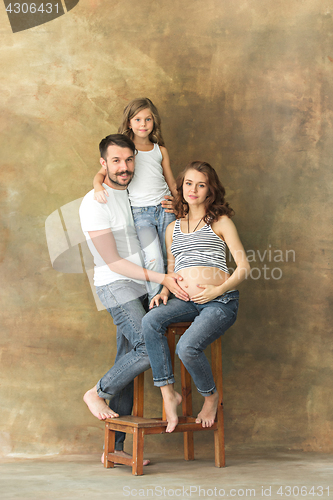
[(126, 301), (209, 322), (150, 224)]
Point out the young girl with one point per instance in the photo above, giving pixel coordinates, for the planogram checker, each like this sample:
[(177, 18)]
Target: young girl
[(196, 245), (152, 182)]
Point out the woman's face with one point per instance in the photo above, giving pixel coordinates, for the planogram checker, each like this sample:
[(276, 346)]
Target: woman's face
[(195, 187)]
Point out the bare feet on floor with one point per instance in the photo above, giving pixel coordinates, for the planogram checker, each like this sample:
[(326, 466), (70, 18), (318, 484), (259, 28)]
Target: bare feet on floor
[(208, 413), (97, 405), (171, 400), (124, 454)]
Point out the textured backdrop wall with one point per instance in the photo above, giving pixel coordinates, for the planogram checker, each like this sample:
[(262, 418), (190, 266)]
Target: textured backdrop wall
[(245, 85)]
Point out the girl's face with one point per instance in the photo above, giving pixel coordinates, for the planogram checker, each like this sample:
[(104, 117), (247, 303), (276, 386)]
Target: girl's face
[(195, 187), (142, 123)]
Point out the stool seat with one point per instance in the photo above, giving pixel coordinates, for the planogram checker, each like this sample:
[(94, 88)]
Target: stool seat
[(133, 422), (139, 426)]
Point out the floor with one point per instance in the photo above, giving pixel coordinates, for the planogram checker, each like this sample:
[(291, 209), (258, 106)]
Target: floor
[(273, 474)]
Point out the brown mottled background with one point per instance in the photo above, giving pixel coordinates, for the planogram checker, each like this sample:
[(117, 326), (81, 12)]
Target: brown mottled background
[(243, 84)]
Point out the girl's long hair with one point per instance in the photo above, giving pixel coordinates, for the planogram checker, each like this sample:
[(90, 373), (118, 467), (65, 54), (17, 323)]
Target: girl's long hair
[(215, 203), (133, 109)]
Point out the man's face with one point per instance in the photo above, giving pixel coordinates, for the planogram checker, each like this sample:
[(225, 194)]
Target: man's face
[(119, 165)]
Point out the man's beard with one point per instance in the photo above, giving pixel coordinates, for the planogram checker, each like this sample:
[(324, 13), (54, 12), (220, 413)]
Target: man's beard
[(114, 180)]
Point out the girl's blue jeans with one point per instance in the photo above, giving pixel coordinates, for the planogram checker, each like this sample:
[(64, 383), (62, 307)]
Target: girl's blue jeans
[(150, 224), (209, 322)]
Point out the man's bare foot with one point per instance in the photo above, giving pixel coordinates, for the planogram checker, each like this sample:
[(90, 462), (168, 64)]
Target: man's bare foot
[(208, 412), (122, 453), (97, 405), (171, 400)]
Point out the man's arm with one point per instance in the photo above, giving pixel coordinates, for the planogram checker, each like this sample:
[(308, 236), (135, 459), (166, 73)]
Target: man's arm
[(164, 293), (105, 245)]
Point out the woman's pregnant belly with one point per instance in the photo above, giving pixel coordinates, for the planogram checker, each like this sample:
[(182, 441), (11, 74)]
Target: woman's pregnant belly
[(194, 276)]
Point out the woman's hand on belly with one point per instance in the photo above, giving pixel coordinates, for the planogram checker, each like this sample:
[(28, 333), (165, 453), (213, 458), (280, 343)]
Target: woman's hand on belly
[(207, 293)]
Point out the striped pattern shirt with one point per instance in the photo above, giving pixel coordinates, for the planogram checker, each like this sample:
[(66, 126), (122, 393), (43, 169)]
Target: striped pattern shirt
[(203, 248)]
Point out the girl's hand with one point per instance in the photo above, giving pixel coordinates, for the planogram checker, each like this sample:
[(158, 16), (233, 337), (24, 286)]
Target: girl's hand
[(170, 281), (155, 301), (208, 293), (100, 194)]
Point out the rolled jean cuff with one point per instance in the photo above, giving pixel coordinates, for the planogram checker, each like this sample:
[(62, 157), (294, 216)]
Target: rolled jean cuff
[(118, 446), (163, 382), (101, 394), (208, 393)]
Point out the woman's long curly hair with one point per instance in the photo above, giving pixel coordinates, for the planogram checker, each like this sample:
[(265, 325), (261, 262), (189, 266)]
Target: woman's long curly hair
[(215, 203), (132, 109)]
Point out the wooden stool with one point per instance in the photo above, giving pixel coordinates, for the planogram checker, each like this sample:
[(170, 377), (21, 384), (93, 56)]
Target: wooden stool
[(140, 427)]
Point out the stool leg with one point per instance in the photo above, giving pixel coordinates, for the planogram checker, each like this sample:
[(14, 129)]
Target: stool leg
[(138, 395), (216, 351), (138, 445), (187, 411), (219, 439), (109, 443)]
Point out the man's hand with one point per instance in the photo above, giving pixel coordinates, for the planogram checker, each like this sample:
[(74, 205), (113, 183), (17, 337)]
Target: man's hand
[(167, 204), (170, 281)]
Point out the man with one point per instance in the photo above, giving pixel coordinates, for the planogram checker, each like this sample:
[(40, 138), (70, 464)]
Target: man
[(119, 279)]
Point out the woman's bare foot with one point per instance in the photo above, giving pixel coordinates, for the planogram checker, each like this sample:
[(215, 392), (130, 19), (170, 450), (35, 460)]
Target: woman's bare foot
[(122, 453), (97, 405), (208, 413), (171, 400)]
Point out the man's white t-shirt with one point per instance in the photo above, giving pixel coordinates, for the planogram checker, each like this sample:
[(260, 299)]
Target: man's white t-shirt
[(115, 214)]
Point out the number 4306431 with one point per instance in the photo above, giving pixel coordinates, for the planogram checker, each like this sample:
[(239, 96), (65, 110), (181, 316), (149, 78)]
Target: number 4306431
[(32, 8), (302, 491)]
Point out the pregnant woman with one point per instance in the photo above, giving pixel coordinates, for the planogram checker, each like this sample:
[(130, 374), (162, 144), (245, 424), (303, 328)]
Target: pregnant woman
[(196, 245)]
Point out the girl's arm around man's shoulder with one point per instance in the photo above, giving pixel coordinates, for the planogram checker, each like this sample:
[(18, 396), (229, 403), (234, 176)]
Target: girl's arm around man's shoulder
[(99, 192)]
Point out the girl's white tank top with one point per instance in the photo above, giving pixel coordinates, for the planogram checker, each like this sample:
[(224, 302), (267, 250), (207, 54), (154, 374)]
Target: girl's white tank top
[(148, 186)]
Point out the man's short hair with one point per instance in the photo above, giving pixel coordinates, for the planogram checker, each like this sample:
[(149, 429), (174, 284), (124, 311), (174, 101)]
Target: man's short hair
[(120, 140)]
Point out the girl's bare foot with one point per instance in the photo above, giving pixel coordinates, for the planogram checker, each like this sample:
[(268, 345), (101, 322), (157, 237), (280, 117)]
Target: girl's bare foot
[(122, 453), (171, 400), (208, 413), (97, 405)]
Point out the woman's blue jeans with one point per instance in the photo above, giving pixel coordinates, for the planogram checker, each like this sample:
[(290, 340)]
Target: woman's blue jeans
[(209, 322), (150, 224)]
